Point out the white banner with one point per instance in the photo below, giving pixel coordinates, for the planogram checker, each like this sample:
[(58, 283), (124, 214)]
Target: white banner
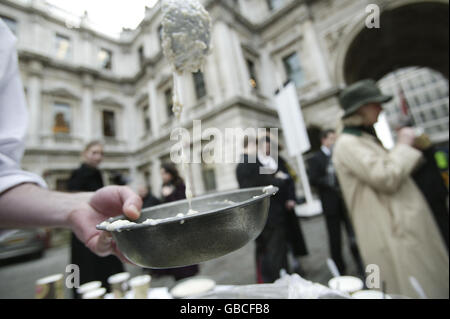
[(291, 118)]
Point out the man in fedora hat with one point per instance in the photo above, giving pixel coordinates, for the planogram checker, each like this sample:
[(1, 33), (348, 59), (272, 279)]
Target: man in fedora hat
[(393, 223)]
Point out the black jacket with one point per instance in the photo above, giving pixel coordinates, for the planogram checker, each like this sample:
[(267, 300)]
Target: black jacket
[(85, 179), (317, 171), (92, 267), (429, 180), (248, 175)]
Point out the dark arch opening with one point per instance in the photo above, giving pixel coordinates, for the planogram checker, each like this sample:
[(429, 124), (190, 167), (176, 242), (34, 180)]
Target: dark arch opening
[(414, 34)]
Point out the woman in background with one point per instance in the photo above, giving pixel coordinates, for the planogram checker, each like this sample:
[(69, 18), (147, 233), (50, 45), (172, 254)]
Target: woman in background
[(174, 189), (88, 178)]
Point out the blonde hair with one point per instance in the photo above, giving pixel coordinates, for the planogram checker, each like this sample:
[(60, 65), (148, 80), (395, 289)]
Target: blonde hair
[(92, 143)]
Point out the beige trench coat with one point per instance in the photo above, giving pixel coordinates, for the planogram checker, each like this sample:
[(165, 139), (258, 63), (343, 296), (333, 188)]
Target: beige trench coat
[(393, 223)]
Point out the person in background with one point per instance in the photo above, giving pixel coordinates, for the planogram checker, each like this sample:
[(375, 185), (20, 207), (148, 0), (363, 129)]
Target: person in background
[(247, 171), (148, 199), (271, 244), (88, 178), (394, 226), (429, 179), (322, 177), (24, 200), (296, 240), (174, 189)]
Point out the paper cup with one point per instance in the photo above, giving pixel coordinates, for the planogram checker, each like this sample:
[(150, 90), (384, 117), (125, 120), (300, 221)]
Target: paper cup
[(95, 294), (370, 294), (118, 283), (347, 284), (140, 286), (92, 285), (50, 287)]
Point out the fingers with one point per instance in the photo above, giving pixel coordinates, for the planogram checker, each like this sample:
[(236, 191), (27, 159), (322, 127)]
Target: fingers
[(101, 244), (132, 203), (119, 254)]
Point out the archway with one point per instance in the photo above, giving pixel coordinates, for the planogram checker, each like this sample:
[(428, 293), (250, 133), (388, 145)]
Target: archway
[(412, 33)]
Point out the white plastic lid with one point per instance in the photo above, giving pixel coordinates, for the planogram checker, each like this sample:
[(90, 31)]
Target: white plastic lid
[(49, 279), (92, 285), (94, 294), (370, 294), (118, 278), (347, 284), (192, 287), (140, 280)]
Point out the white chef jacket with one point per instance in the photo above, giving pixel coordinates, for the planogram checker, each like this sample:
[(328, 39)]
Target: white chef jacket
[(13, 116)]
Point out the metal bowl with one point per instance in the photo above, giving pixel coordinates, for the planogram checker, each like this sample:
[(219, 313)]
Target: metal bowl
[(226, 222)]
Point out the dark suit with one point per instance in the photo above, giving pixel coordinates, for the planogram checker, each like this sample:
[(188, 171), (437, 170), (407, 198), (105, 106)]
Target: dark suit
[(92, 267), (271, 244), (429, 180), (294, 231), (333, 208)]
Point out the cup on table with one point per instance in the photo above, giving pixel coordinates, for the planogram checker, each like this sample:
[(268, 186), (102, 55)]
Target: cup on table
[(140, 286), (89, 286), (95, 294), (118, 283), (50, 287), (346, 284)]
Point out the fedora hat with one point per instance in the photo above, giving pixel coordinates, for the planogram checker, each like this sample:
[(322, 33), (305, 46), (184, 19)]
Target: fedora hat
[(359, 94)]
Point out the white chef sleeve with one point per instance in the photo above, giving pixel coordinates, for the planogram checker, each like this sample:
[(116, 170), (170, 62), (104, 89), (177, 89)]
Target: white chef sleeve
[(13, 116)]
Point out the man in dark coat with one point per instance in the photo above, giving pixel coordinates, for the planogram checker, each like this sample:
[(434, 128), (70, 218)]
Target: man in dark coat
[(322, 176), (429, 180), (88, 178), (296, 240), (271, 244)]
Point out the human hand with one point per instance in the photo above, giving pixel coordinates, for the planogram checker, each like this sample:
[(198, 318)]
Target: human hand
[(406, 135), (422, 142), (107, 202), (290, 204)]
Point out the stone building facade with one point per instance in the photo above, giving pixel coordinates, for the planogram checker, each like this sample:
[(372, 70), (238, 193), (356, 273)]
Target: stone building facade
[(82, 85)]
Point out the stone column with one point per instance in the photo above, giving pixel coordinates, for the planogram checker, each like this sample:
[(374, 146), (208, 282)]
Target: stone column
[(155, 118), (134, 177), (156, 181), (224, 56), (212, 80), (316, 53), (87, 57), (240, 65), (268, 81), (34, 101), (87, 108)]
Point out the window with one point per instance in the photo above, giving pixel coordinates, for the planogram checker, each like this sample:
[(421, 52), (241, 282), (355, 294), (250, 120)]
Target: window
[(109, 125), (105, 59), (61, 118), (141, 55), (169, 102), (146, 118), (209, 177), (199, 84), (275, 4), (11, 23), (252, 72), (63, 47), (293, 69)]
